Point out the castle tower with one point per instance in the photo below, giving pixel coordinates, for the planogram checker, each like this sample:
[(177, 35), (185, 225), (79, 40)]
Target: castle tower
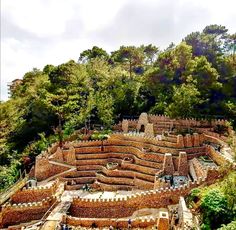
[(180, 141), (168, 165), (163, 220), (142, 122), (125, 126), (149, 131), (196, 140), (183, 164)]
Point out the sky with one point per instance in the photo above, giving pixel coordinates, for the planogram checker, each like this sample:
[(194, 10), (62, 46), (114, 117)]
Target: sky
[(35, 33)]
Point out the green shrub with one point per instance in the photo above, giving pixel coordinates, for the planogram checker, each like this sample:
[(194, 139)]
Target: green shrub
[(215, 209)]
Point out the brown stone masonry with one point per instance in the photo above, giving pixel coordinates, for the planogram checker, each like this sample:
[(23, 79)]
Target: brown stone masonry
[(25, 212), (34, 194)]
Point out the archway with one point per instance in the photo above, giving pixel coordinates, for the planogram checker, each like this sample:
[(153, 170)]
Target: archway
[(142, 128)]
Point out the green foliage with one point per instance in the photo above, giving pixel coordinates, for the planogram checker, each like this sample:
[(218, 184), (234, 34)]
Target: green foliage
[(230, 226), (215, 209), (194, 196), (101, 135), (186, 96), (229, 190), (90, 54), (9, 175)]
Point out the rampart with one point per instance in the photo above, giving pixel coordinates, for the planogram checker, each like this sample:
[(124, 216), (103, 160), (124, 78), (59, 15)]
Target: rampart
[(34, 194), (125, 206), (141, 222), (24, 212)]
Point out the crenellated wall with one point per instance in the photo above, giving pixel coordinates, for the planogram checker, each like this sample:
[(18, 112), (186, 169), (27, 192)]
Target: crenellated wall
[(200, 171), (24, 212), (139, 222), (125, 206), (34, 194), (216, 156)]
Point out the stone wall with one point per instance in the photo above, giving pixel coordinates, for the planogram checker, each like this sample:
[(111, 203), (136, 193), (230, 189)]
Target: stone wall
[(105, 222), (34, 194), (25, 212), (44, 169), (186, 123), (125, 206), (215, 156), (199, 169)]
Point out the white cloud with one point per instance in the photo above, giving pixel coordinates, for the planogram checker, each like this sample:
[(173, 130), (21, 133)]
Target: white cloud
[(40, 32), (98, 14), (40, 17)]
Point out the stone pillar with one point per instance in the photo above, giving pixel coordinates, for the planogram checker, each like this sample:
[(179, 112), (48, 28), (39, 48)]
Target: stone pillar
[(185, 215), (188, 141), (168, 166), (163, 220), (183, 164), (201, 138), (42, 168), (196, 140), (180, 141), (149, 130), (125, 126)]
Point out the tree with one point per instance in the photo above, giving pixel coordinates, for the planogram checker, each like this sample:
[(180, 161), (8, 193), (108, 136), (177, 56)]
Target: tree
[(129, 55), (150, 52), (209, 42), (230, 226), (67, 94), (215, 209), (185, 99), (31, 114), (206, 78), (229, 190), (90, 54)]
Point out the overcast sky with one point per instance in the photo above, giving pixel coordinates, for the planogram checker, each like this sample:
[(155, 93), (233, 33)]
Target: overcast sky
[(39, 32)]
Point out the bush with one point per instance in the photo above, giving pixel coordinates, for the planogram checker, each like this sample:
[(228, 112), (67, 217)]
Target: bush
[(230, 226), (9, 175), (215, 209)]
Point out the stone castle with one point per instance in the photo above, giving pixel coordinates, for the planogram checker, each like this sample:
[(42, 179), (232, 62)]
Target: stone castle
[(141, 172)]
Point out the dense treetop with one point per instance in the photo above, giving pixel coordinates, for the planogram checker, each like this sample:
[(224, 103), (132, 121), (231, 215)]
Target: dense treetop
[(194, 78)]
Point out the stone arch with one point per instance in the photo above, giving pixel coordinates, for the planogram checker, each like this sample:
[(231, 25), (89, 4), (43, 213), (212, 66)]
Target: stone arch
[(143, 120), (142, 128)]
